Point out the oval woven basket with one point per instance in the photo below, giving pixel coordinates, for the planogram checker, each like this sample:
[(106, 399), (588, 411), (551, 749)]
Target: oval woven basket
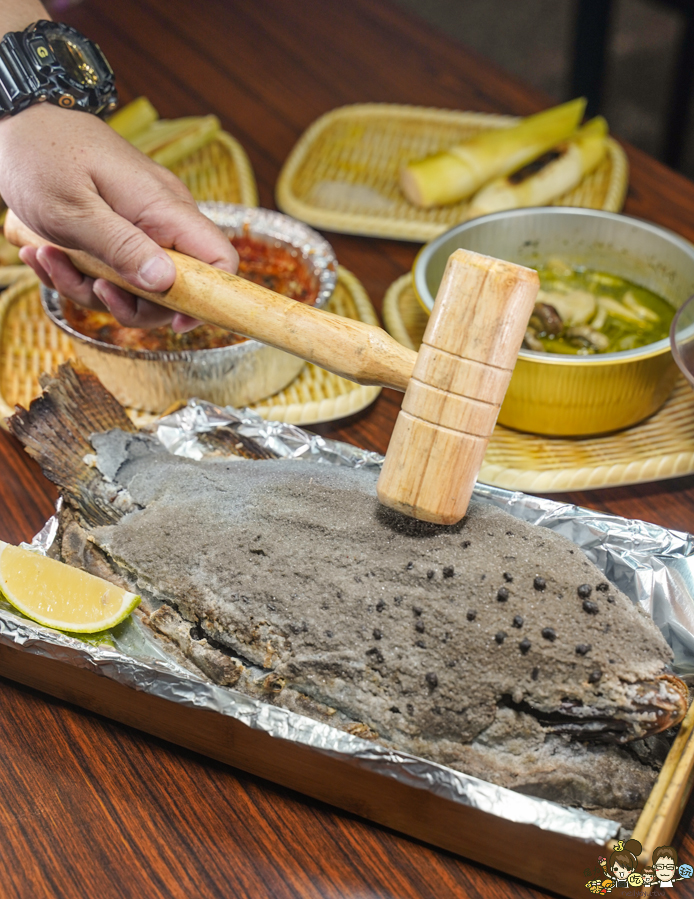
[(342, 174)]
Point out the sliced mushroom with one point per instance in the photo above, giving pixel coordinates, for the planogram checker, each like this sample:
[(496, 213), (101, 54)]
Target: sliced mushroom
[(546, 319), (585, 336), (531, 342), (575, 307)]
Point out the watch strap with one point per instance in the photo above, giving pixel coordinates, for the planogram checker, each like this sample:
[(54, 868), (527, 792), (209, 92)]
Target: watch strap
[(20, 86)]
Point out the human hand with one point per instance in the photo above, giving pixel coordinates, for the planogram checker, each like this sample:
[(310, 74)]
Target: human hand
[(73, 180)]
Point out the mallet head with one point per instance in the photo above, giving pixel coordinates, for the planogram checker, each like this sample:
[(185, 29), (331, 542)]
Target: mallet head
[(459, 381)]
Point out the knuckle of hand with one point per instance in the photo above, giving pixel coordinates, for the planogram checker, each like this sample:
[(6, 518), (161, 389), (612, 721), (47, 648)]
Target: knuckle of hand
[(174, 184), (124, 249)]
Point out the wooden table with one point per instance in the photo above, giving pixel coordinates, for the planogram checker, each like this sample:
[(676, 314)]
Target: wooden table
[(89, 808)]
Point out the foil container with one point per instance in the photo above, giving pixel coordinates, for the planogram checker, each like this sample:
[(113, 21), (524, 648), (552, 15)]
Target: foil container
[(652, 565), (237, 375)]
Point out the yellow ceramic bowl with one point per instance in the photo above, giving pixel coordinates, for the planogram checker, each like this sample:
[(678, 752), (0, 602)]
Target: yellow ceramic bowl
[(577, 395)]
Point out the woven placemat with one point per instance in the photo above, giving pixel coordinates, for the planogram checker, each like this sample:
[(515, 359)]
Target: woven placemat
[(220, 172), (31, 344), (661, 447), (343, 172)]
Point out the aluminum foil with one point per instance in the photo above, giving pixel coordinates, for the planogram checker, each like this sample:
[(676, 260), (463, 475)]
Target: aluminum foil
[(652, 565)]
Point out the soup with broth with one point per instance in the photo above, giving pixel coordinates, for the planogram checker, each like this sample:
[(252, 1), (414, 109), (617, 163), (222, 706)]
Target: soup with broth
[(581, 312)]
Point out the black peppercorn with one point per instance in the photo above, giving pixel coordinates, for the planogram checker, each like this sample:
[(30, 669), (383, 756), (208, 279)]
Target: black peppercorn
[(610, 598), (430, 575), (583, 648), (502, 594), (500, 637), (594, 676), (410, 566), (535, 673), (419, 627), (508, 577), (417, 610), (549, 633), (524, 645), (420, 644), (539, 583), (584, 591), (590, 607), (518, 621), (603, 588), (432, 680), (471, 615), (380, 605), (448, 571), (465, 544), (377, 634)]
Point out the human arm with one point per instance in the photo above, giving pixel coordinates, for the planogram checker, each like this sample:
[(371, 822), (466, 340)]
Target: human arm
[(76, 182)]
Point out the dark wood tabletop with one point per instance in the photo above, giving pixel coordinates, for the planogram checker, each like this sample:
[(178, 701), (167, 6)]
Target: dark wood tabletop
[(89, 808)]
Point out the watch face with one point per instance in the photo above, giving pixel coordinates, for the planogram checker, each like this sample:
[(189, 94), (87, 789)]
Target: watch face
[(76, 57)]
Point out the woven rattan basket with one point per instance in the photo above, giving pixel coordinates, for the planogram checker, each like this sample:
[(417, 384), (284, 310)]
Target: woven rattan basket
[(658, 448), (219, 171), (342, 174)]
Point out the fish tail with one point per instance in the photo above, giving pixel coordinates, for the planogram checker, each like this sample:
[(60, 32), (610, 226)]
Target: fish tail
[(56, 428)]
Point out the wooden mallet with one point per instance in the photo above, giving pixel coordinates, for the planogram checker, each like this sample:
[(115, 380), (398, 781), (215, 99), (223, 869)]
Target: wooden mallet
[(453, 387)]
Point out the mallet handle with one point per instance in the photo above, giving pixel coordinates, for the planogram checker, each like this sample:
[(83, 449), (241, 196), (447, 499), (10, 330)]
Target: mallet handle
[(351, 349)]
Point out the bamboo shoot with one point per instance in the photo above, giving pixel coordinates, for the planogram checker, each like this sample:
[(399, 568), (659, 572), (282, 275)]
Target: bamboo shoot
[(549, 177), (459, 172)]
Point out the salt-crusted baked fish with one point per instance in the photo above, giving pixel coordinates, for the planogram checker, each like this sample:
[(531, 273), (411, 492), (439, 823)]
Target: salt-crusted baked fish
[(493, 646)]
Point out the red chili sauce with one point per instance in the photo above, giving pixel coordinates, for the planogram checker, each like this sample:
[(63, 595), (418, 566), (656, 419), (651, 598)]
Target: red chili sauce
[(279, 267)]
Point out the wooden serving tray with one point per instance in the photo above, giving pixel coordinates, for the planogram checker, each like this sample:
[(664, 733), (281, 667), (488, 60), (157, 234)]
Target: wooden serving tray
[(550, 860), (342, 174)]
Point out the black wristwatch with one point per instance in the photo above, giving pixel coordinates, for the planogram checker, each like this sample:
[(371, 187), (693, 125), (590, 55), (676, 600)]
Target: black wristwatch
[(53, 62)]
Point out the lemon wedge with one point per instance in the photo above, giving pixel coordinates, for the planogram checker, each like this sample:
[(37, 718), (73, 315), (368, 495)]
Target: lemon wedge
[(60, 596)]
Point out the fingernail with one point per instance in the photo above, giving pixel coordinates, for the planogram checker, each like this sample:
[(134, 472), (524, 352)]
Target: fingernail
[(158, 273), (100, 293), (44, 261)]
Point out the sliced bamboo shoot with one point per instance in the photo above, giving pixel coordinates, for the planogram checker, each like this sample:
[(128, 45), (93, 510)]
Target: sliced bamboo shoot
[(457, 173), (188, 141), (167, 141), (164, 132), (548, 177), (642, 311), (133, 118), (614, 307)]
